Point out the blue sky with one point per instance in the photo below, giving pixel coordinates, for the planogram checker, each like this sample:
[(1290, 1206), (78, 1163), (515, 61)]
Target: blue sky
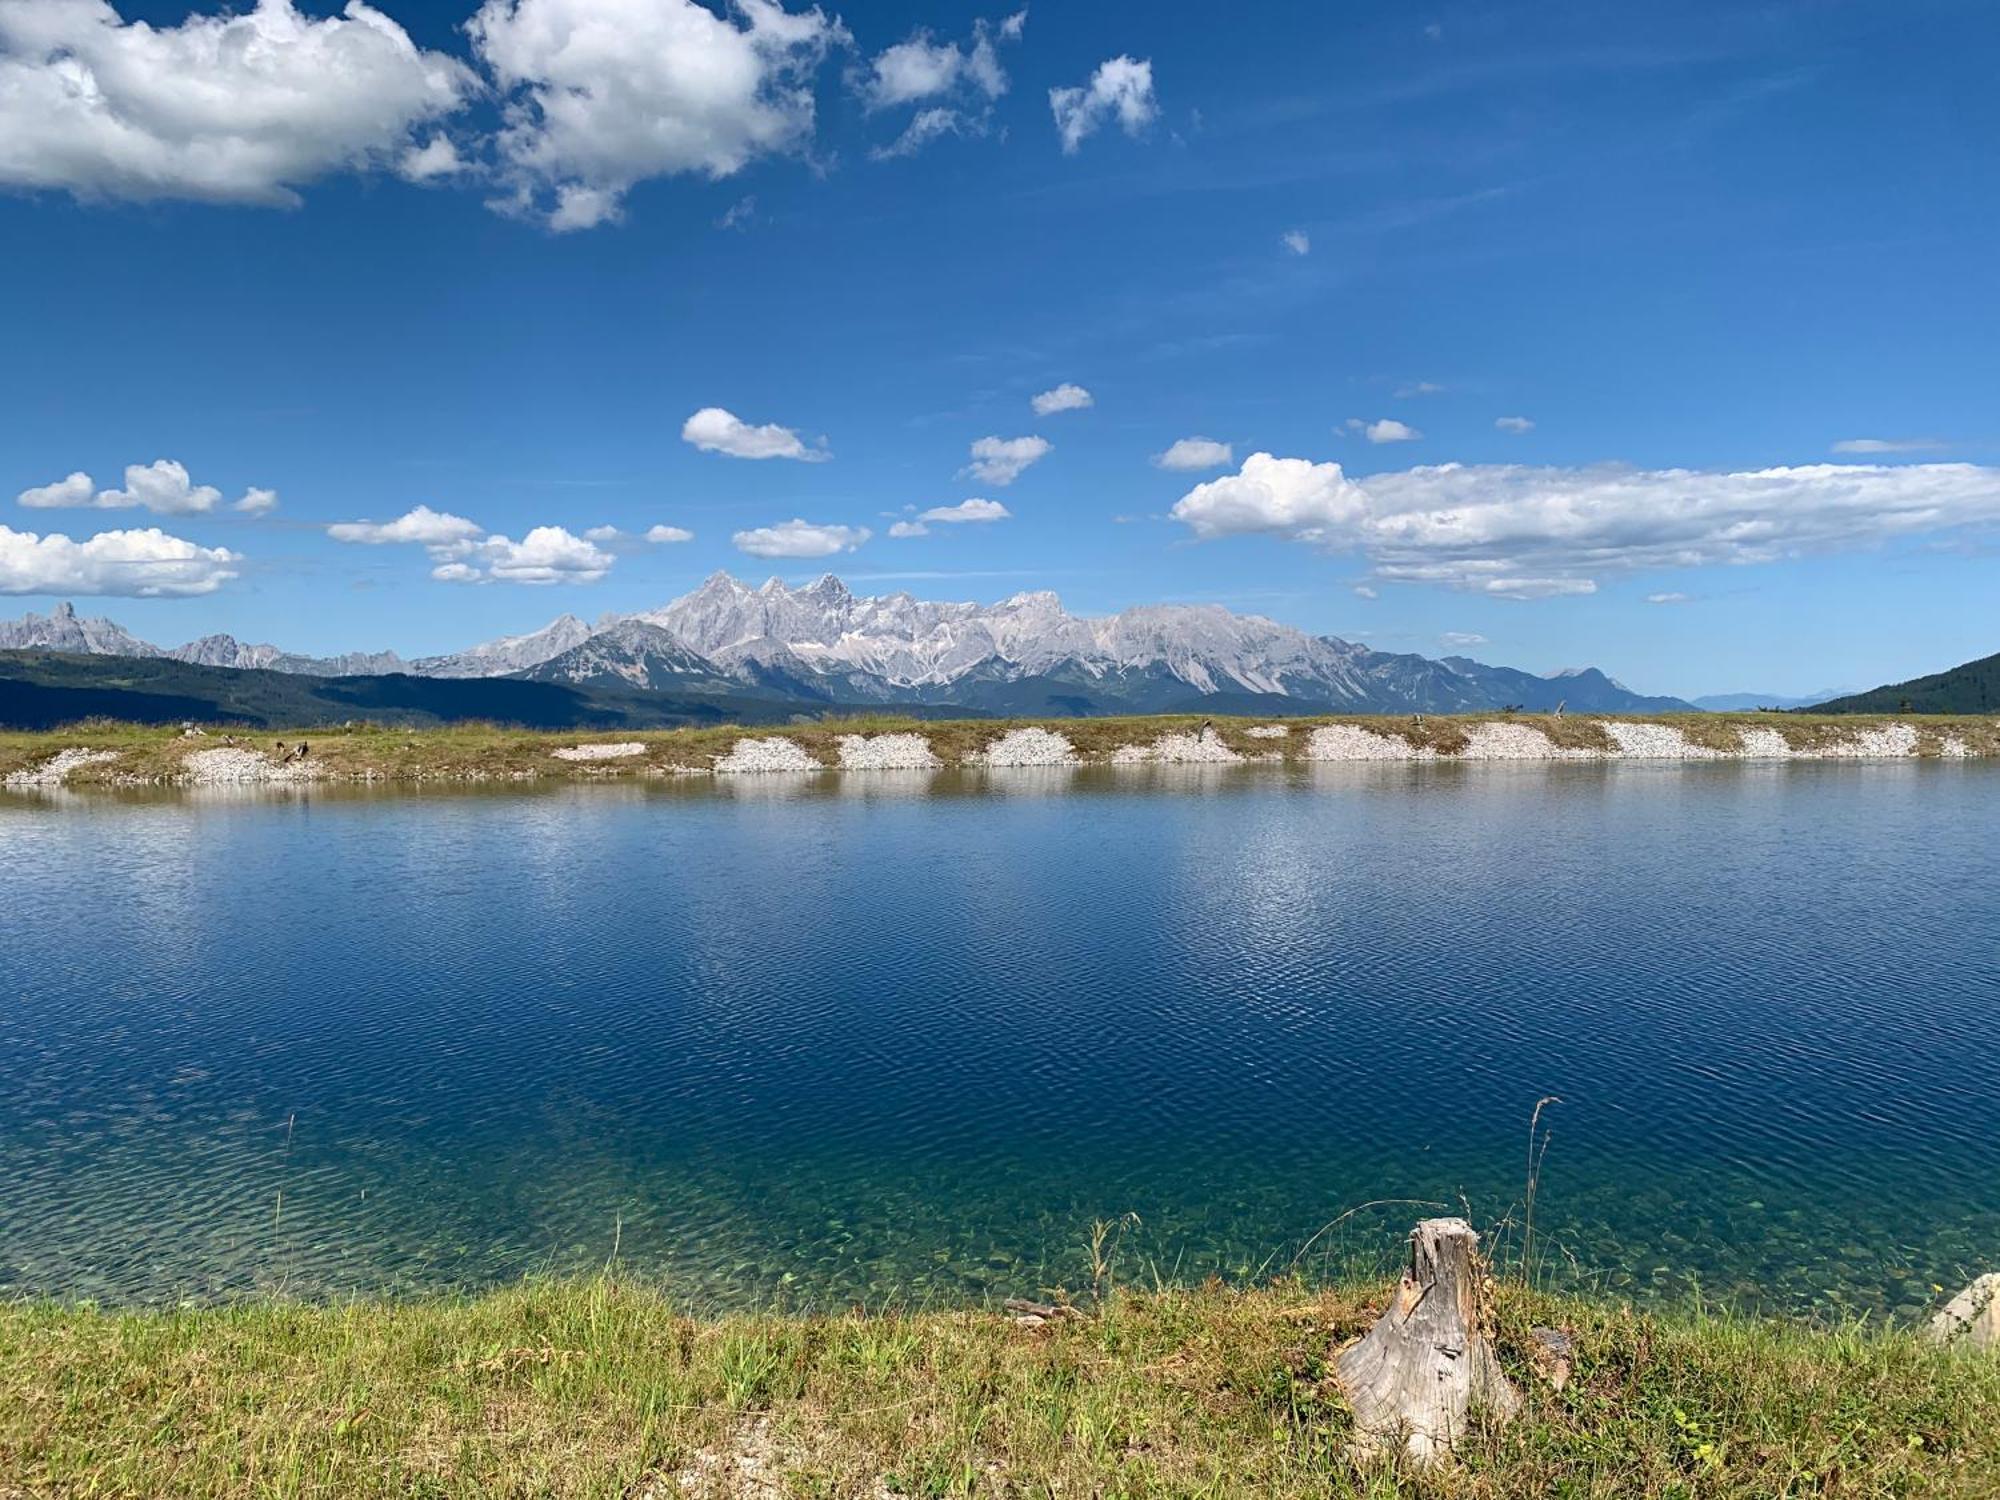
[(495, 275)]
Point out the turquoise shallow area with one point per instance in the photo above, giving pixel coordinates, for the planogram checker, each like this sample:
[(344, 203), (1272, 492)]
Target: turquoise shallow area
[(899, 1037)]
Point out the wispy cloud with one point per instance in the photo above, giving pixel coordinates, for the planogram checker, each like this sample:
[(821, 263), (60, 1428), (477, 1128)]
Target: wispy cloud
[(1517, 532), (1888, 445), (1001, 460), (797, 538)]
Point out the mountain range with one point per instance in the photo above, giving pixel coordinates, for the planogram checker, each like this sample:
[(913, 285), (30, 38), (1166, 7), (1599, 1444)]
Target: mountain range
[(821, 647)]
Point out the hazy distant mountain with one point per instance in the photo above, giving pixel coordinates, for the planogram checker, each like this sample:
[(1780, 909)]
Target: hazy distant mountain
[(821, 646), (1973, 688), (227, 651), (511, 653), (1730, 703), (63, 630)]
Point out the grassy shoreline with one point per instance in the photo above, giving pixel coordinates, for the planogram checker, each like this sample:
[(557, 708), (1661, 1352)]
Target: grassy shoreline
[(602, 1388), (148, 755)]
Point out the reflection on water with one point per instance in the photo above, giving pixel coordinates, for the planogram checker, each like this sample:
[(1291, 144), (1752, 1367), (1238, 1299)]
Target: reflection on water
[(904, 1034)]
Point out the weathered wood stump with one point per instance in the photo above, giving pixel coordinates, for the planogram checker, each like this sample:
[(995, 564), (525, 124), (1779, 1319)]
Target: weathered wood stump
[(1428, 1364)]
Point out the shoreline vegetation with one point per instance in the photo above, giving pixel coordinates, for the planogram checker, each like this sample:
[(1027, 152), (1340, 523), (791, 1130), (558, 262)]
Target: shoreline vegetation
[(605, 1387), (106, 754)]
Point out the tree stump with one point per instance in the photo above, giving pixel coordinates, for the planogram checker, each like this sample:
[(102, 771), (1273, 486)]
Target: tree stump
[(1428, 1364)]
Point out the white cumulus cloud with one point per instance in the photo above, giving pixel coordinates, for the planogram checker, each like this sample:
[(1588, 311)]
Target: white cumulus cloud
[(1065, 397), (796, 538), (601, 95), (1389, 430), (903, 529), (1121, 88), (667, 535), (1001, 460), (546, 555), (224, 108), (714, 430), (1195, 453), (77, 489), (967, 511), (465, 552), (162, 486), (1297, 241), (1517, 532), (145, 564), (433, 161), (1514, 424), (422, 525), (1461, 638)]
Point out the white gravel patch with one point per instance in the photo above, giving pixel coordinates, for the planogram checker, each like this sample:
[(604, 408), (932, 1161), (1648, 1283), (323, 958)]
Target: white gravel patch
[(1657, 742), (887, 752), (226, 767), (773, 754), (1194, 749), (1951, 747), (1872, 744), (55, 770), (1027, 747), (619, 750), (1178, 750), (1518, 742), (1348, 742), (1266, 732), (1764, 744)]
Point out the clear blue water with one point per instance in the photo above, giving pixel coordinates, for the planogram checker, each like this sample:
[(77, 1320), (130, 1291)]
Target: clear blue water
[(902, 1037)]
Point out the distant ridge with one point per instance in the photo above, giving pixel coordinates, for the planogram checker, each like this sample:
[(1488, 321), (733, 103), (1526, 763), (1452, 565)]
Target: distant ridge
[(1972, 688), (821, 645), (41, 690)]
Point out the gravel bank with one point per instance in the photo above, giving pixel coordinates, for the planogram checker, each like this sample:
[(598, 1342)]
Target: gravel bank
[(225, 767), (617, 751), (55, 770), (1027, 747), (1657, 742), (773, 754), (1178, 750), (887, 752), (1348, 742)]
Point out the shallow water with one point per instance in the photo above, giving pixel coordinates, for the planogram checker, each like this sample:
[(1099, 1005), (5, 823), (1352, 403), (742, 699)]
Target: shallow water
[(898, 1036)]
